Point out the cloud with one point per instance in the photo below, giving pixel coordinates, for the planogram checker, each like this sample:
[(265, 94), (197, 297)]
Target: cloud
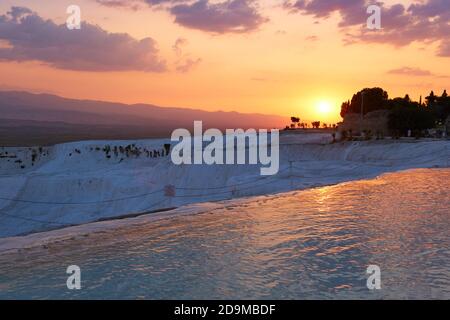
[(184, 63), (322, 8), (136, 4), (130, 4), (228, 16), (312, 38), (178, 46), (425, 22), (161, 2), (410, 72), (17, 12), (188, 65), (416, 72), (430, 8), (231, 16), (444, 49), (32, 38)]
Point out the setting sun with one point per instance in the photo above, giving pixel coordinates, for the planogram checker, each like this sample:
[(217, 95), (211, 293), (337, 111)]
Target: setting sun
[(324, 107)]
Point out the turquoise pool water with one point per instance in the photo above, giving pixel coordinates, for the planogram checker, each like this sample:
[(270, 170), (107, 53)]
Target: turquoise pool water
[(308, 244)]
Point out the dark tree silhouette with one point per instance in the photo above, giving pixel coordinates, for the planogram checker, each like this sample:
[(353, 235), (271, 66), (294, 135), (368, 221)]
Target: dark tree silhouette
[(441, 107), (315, 124), (431, 99), (345, 107), (406, 115), (373, 98)]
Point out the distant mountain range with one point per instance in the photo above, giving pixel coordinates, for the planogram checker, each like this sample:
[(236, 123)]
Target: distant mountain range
[(44, 119)]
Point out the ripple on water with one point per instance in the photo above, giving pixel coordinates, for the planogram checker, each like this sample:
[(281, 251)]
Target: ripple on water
[(309, 244)]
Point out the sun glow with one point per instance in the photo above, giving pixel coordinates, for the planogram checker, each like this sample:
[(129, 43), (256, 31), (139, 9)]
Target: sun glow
[(324, 107)]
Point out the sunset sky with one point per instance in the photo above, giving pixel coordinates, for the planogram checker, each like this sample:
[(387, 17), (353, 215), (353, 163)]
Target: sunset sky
[(269, 56)]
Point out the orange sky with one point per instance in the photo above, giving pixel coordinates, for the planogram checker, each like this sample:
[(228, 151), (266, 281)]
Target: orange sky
[(288, 66)]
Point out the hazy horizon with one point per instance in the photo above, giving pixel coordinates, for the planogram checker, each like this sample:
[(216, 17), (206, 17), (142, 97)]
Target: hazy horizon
[(142, 103), (45, 119)]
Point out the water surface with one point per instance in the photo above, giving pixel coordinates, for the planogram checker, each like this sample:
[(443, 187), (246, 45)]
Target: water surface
[(300, 245)]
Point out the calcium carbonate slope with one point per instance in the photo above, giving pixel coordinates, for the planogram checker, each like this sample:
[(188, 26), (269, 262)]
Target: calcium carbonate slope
[(76, 183)]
